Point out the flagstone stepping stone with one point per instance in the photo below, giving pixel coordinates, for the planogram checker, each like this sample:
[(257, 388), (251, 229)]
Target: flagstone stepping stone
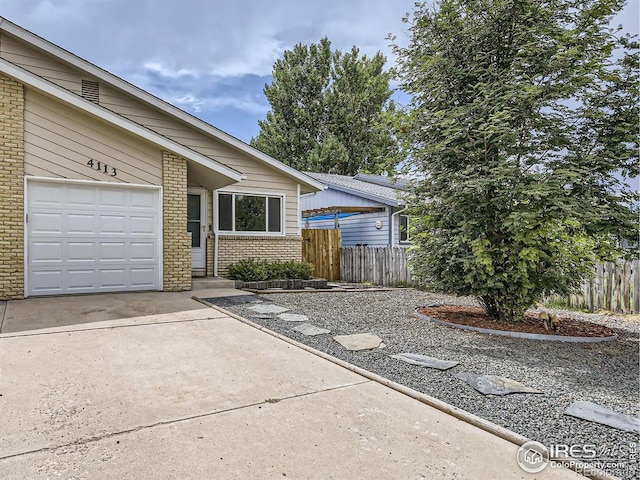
[(424, 361), (310, 330), (359, 341), (597, 413), (262, 316), (494, 385), (268, 309), (293, 317)]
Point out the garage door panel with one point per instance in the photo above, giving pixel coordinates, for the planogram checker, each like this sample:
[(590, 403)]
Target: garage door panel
[(143, 277), (86, 252), (46, 223), (113, 252), (111, 198), (142, 200), (113, 278), (46, 282), (91, 238), (46, 196), (143, 225), (112, 225), (142, 251), (80, 279), (81, 224), (81, 196), (47, 252)]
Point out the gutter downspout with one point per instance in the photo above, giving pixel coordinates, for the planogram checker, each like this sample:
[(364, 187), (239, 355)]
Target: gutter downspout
[(215, 254), (393, 225)]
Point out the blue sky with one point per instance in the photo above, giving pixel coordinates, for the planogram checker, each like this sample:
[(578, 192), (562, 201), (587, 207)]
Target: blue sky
[(213, 58)]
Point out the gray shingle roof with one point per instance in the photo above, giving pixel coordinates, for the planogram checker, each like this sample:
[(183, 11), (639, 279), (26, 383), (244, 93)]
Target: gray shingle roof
[(392, 193)]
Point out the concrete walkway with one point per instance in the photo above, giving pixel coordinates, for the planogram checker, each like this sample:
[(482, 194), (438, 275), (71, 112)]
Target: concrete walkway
[(199, 395)]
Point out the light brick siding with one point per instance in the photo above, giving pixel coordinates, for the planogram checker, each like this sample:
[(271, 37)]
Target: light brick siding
[(11, 189), (177, 244), (234, 248)]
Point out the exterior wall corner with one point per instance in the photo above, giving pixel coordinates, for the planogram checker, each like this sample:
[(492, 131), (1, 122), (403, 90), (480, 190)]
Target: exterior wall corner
[(11, 189), (176, 239)]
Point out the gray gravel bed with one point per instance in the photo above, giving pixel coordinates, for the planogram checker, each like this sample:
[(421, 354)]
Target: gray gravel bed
[(605, 373)]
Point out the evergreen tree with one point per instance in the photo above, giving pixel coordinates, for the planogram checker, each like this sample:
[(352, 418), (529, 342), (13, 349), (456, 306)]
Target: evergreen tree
[(330, 112)]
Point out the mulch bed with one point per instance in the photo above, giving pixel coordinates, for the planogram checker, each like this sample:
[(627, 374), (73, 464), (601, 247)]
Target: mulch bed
[(475, 317)]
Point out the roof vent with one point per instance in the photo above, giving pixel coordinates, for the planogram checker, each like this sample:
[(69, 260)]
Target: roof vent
[(91, 90)]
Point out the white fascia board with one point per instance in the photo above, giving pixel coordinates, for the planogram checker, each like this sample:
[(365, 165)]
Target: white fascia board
[(48, 88), (368, 196), (156, 102)]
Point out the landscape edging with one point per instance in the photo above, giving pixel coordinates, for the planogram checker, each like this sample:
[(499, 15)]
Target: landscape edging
[(507, 333)]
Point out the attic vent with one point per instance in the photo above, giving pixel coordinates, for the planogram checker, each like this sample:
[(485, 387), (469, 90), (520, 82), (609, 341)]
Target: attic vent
[(91, 90)]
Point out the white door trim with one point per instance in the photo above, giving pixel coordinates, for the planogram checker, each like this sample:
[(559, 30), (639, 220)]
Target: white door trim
[(202, 265), (35, 178)]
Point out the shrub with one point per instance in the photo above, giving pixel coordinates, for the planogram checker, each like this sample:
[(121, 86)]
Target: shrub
[(293, 269), (248, 270), (251, 270)]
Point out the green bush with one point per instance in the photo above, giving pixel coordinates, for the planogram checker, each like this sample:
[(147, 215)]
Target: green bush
[(251, 270), (292, 269)]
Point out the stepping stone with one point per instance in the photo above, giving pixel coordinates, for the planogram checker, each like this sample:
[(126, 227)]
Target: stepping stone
[(262, 316), (236, 300), (310, 330), (424, 361), (293, 317), (599, 414), (494, 385), (359, 341), (268, 309)]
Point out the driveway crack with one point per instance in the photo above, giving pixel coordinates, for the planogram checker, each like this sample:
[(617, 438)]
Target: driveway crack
[(97, 438)]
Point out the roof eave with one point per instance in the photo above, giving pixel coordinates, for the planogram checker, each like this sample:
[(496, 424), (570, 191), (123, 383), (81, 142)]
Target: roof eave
[(369, 196), (115, 81), (50, 89)]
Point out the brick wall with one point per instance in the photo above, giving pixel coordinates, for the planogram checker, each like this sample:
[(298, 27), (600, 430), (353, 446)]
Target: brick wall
[(177, 242), (234, 248), (11, 189)]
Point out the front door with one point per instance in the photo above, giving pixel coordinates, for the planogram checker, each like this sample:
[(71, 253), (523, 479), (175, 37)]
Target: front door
[(196, 224)]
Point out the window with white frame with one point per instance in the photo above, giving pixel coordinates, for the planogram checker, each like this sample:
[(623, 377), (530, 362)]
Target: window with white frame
[(404, 229), (249, 213)]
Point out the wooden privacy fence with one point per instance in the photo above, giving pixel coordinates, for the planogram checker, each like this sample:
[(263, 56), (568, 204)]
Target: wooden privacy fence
[(615, 287), (386, 266), (322, 248)]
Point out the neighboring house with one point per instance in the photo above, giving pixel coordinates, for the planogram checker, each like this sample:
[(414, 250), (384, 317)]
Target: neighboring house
[(104, 187), (368, 209)]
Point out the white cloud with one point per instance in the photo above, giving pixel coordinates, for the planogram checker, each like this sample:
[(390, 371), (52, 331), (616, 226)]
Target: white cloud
[(205, 55), (167, 71), (200, 37), (197, 104)]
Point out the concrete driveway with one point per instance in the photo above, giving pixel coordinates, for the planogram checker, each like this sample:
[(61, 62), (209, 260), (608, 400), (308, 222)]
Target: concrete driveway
[(197, 394)]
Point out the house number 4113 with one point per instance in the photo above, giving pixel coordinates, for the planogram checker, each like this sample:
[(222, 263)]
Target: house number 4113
[(102, 167)]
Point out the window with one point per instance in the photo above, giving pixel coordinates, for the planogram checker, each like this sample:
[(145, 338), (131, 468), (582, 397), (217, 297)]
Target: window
[(193, 219), (404, 229), (238, 212)]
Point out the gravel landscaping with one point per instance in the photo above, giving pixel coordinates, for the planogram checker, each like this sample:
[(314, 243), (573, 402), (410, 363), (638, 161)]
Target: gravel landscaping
[(605, 373)]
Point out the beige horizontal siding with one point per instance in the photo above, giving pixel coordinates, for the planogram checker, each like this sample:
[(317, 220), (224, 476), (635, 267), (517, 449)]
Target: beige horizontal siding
[(59, 141), (135, 161), (46, 66), (260, 177)]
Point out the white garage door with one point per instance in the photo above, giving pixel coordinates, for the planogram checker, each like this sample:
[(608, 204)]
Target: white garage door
[(91, 237)]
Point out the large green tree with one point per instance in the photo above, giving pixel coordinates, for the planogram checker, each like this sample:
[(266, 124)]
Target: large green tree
[(331, 112), (522, 127)]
